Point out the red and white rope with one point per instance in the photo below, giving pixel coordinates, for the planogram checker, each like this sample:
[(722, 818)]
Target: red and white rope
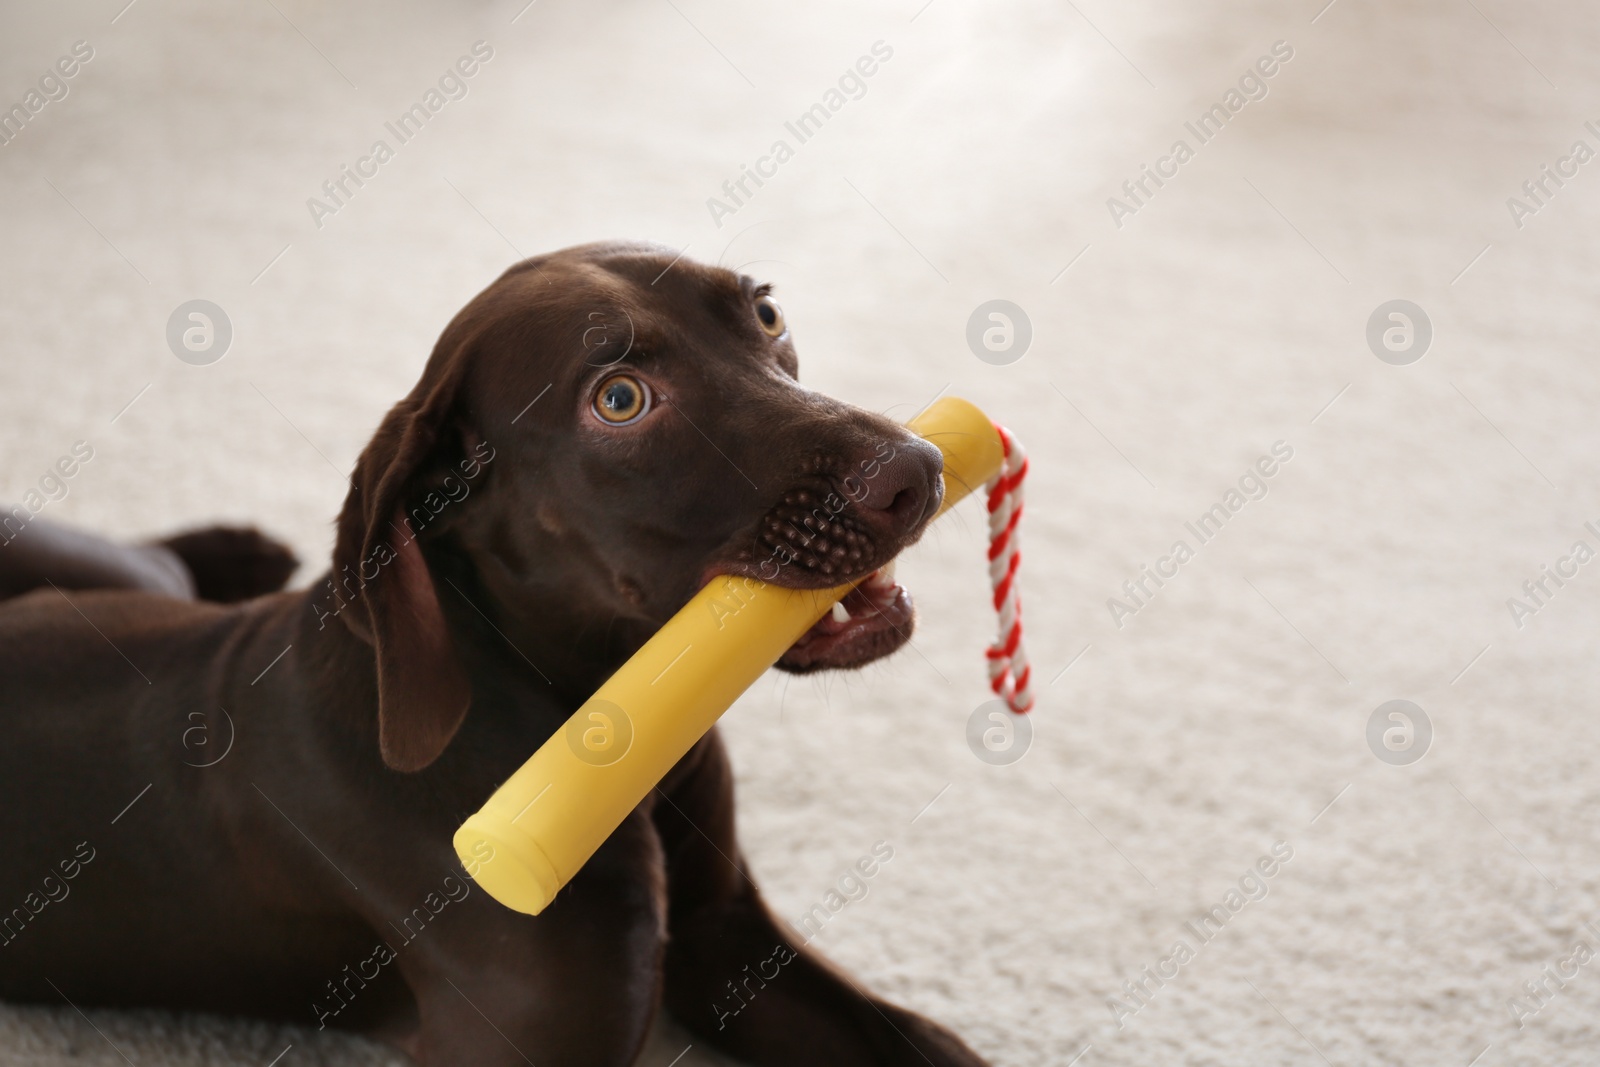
[(1010, 676)]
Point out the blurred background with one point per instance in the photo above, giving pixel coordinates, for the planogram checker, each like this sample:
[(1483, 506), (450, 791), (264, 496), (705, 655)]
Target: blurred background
[(1242, 302)]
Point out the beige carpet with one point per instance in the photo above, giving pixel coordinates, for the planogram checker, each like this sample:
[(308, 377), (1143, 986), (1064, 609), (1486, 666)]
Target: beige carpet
[(1228, 311)]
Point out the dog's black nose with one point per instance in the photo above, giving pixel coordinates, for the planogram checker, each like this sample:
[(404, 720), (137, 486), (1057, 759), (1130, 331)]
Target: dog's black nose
[(898, 487)]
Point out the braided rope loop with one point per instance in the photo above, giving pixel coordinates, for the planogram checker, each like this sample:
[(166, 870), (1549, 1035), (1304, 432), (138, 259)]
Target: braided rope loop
[(1010, 676)]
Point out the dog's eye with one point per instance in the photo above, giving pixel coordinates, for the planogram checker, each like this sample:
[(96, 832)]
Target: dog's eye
[(620, 399), (771, 316)]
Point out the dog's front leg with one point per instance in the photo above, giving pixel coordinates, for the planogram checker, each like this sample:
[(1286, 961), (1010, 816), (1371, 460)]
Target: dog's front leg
[(742, 980), (576, 985)]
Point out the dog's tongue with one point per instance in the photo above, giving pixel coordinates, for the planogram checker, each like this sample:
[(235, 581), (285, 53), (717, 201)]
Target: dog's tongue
[(852, 633)]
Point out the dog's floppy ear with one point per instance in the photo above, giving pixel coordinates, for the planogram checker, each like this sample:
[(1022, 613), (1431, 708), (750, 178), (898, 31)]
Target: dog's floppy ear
[(423, 690)]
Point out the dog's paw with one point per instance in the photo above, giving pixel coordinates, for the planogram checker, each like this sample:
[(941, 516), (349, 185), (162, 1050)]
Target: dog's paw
[(233, 563), (919, 1041)]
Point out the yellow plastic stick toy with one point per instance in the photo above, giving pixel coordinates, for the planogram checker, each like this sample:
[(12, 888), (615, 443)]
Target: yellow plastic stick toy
[(542, 825)]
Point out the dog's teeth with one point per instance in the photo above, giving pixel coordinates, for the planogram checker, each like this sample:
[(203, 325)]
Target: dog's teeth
[(841, 613), (882, 579)]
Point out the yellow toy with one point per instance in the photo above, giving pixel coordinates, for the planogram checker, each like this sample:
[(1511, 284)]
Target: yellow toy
[(542, 825)]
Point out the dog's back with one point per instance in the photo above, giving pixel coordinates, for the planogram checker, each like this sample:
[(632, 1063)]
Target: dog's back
[(120, 820)]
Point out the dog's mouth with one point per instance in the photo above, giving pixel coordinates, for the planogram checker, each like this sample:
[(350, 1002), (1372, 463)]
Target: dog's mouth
[(874, 619), (813, 539)]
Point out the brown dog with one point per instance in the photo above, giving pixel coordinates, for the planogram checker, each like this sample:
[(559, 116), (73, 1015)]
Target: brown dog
[(594, 436)]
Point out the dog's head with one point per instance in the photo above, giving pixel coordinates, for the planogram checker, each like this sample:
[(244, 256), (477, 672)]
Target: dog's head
[(596, 435)]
